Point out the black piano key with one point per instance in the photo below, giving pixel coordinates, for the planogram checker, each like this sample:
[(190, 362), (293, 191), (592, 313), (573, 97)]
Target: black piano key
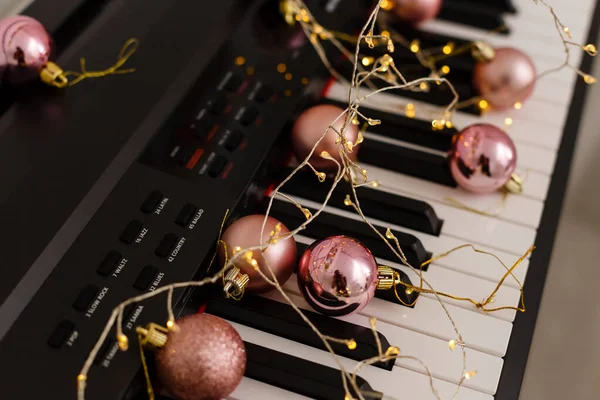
[(411, 130), (282, 320), (396, 209), (499, 6), (476, 15), (440, 95), (298, 375), (327, 224), (407, 161), (408, 299)]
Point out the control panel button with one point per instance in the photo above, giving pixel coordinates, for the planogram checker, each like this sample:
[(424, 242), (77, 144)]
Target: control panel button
[(145, 277), (234, 83), (233, 140), (249, 115), (218, 104), (61, 333), (110, 262), (263, 94), (85, 297), (152, 201), (217, 166), (131, 232), (203, 126), (184, 154), (166, 245), (186, 214)]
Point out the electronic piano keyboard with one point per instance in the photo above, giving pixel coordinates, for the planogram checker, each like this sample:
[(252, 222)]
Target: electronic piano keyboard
[(100, 178)]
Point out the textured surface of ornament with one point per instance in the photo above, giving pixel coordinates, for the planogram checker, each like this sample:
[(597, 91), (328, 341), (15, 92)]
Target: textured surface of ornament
[(26, 48), (483, 158), (417, 11), (337, 275), (508, 79), (281, 255), (204, 360), (309, 128)]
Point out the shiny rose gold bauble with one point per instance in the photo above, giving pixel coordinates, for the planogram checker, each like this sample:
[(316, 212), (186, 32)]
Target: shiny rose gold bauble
[(483, 158), (337, 275), (417, 11), (25, 49), (204, 359), (508, 79), (281, 256), (311, 125)]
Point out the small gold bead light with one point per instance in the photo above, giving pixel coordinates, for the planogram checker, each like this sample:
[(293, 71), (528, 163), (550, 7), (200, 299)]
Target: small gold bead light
[(589, 79), (172, 326), (470, 374), (449, 124), (518, 105), (508, 121), (387, 5), (306, 212), (424, 86), (351, 344), (375, 184), (123, 342), (447, 49), (452, 344), (240, 60), (288, 76), (483, 104), (392, 351), (325, 154), (347, 202), (281, 68), (250, 70), (82, 378), (410, 110), (321, 176), (414, 46), (445, 70), (305, 81), (389, 234), (567, 31), (409, 291), (348, 397), (590, 49)]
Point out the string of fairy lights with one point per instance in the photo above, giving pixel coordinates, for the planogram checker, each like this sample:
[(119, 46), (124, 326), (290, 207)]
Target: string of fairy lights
[(385, 69)]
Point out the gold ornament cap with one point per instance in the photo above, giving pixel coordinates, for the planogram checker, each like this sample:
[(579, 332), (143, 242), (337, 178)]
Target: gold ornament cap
[(153, 335), (235, 281), (483, 51), (514, 184), (387, 277), (54, 75)]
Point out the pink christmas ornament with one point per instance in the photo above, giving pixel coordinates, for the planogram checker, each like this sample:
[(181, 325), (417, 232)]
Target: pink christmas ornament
[(483, 158), (337, 275), (507, 79), (417, 11), (25, 50)]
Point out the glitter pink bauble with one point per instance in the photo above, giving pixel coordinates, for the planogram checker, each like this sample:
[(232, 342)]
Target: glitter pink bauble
[(337, 275), (507, 79), (483, 158), (26, 48), (204, 360), (417, 11)]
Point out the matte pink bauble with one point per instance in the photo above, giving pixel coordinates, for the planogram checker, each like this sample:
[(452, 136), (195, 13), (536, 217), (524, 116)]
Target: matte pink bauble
[(204, 360), (337, 275), (507, 79), (26, 48), (417, 11), (309, 128), (483, 158), (281, 256)]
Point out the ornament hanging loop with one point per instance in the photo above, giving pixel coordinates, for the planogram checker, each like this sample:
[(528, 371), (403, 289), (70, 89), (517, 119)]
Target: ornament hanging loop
[(514, 184), (55, 76)]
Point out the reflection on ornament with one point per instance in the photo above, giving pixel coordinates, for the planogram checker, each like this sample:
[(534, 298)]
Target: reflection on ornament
[(507, 79), (204, 359), (483, 159), (280, 255), (309, 128), (26, 49), (337, 275), (417, 11)]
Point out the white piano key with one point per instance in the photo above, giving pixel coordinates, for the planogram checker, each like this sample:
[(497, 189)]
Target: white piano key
[(250, 389), (515, 208), (522, 131), (479, 331), (460, 224), (536, 184), (435, 353), (466, 261), (398, 383), (458, 284)]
